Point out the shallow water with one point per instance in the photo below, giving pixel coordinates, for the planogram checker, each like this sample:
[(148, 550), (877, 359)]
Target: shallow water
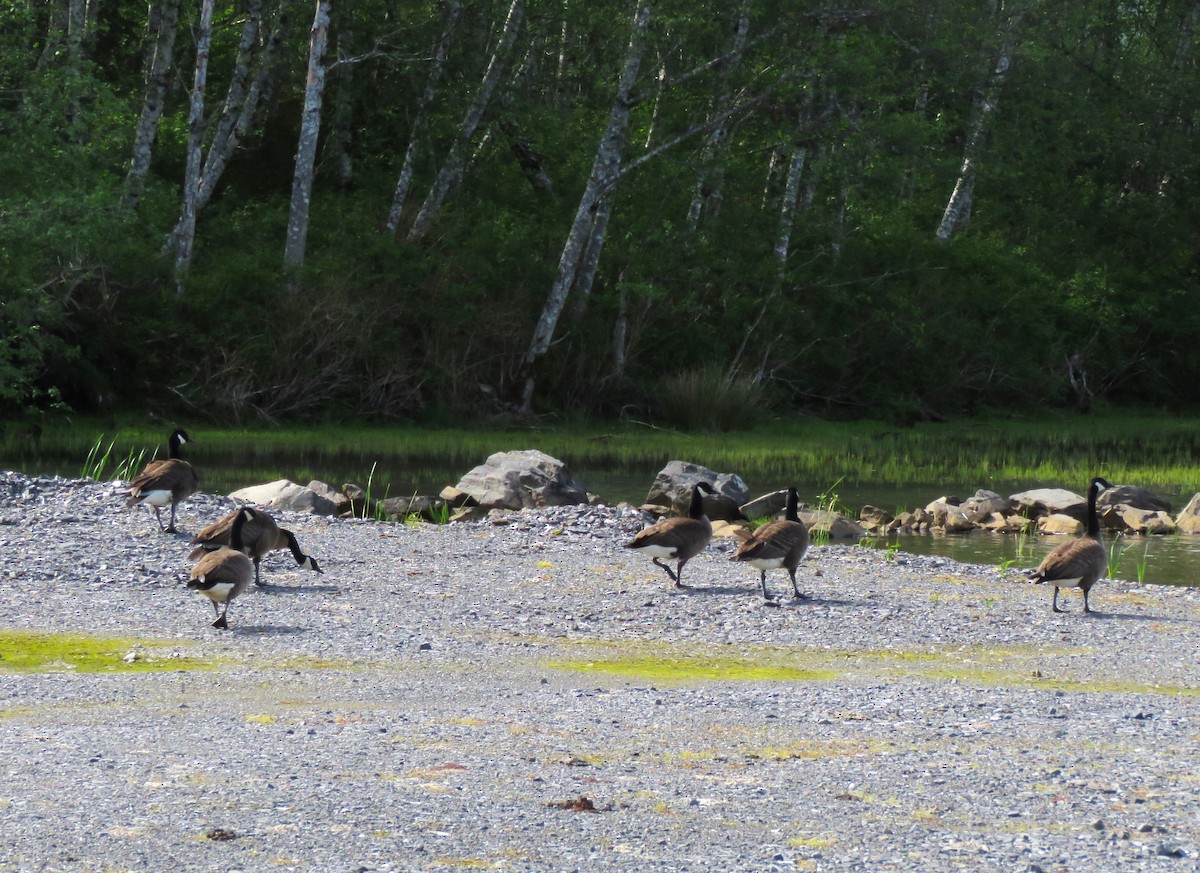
[(1168, 560)]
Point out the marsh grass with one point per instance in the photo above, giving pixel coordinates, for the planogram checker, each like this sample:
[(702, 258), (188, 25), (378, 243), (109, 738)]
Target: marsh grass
[(98, 458), (710, 399), (1157, 451)]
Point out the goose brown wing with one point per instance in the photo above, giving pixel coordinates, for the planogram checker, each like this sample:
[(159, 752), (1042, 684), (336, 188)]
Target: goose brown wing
[(1082, 559), (260, 534), (178, 477), (775, 541), (686, 536), (222, 567)]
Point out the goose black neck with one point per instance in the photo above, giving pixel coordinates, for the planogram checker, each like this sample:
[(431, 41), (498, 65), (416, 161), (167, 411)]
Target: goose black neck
[(793, 506), (1093, 521), (294, 546), (173, 445), (696, 510), (235, 533)]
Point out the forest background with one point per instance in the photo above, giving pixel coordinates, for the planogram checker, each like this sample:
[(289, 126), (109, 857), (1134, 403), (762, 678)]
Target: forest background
[(272, 211)]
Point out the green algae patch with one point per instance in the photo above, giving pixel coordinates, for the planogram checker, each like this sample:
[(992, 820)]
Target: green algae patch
[(695, 669), (30, 652)]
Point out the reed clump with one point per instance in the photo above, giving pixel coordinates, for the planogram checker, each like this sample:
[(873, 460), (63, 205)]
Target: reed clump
[(710, 399)]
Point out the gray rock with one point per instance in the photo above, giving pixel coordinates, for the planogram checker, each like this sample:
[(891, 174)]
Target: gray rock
[(1132, 495), (522, 480), (673, 487), (1189, 518), (285, 494), (1049, 501)]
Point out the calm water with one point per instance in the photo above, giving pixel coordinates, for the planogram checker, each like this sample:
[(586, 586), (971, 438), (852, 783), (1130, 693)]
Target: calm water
[(1171, 560)]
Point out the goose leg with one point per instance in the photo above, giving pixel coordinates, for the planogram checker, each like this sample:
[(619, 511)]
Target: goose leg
[(795, 587), (257, 580), (1086, 608), (679, 575), (762, 580), (1054, 602), (670, 572), (171, 526), (158, 518), (221, 622)]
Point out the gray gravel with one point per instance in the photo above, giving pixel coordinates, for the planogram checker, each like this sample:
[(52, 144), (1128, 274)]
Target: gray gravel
[(432, 702)]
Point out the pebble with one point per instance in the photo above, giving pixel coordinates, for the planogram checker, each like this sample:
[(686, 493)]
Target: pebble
[(912, 714)]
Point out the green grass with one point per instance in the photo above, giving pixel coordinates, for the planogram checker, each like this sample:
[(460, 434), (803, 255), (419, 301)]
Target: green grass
[(1153, 450)]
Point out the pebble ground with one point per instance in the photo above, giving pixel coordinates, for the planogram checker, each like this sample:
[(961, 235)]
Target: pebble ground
[(522, 693)]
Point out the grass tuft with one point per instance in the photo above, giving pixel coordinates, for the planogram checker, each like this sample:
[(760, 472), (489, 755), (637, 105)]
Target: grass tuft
[(710, 399)]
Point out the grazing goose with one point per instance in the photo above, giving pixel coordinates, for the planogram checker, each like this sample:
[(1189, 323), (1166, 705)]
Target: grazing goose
[(163, 482), (224, 574), (1081, 562), (777, 544), (260, 534), (680, 539)]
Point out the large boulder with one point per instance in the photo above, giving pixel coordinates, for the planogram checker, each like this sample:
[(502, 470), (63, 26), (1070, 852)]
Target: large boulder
[(1142, 521), (1049, 501), (1132, 495), (1189, 519), (286, 494), (675, 482), (522, 480)]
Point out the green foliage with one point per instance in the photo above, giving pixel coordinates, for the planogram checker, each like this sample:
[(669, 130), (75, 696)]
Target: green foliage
[(1080, 240)]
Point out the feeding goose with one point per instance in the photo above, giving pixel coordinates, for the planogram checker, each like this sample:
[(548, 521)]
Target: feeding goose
[(260, 534), (224, 574)]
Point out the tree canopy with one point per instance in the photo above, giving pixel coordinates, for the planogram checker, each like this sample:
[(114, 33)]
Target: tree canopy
[(278, 210)]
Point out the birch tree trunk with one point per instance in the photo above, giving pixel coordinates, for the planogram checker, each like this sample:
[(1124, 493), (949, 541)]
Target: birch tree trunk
[(236, 115), (191, 175), (605, 169), (245, 94), (706, 198), (160, 40), (452, 169), (958, 207), (415, 137), (306, 146)]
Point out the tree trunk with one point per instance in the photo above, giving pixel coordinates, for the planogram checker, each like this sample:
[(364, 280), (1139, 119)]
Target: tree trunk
[(605, 169), (404, 182), (452, 169), (245, 95), (160, 42), (306, 146), (191, 175), (341, 136), (958, 207), (706, 198)]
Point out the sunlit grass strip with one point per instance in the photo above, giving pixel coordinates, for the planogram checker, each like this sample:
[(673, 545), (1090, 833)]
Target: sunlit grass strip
[(28, 652), (1154, 451)]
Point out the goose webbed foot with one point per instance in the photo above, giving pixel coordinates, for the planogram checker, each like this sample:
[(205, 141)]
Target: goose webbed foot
[(221, 622)]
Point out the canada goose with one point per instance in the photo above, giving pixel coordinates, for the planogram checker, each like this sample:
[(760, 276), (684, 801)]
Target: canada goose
[(1081, 562), (224, 574), (680, 539), (163, 482), (260, 534), (777, 544)]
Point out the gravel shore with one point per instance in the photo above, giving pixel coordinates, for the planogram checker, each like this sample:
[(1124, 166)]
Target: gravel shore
[(524, 694)]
